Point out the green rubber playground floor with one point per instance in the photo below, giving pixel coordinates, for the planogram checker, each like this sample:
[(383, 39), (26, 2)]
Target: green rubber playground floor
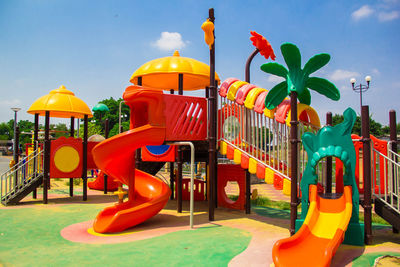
[(30, 235)]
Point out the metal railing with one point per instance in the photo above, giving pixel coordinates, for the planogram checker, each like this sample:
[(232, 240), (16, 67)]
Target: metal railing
[(262, 138), (388, 191), (21, 174)]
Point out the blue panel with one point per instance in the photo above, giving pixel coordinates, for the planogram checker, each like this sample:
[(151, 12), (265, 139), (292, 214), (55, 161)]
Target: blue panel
[(158, 150)]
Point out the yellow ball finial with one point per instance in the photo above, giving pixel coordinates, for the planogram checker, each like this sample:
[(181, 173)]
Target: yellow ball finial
[(176, 53)]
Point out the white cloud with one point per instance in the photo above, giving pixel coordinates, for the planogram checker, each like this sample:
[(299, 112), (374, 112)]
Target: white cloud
[(363, 12), (169, 41), (274, 79), (339, 75), (388, 16)]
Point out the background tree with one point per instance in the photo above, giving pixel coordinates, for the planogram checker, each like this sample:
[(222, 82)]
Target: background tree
[(5, 131), (93, 129), (112, 115), (114, 130), (376, 128)]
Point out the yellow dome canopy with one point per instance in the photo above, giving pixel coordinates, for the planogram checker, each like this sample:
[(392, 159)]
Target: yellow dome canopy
[(163, 73), (61, 103)]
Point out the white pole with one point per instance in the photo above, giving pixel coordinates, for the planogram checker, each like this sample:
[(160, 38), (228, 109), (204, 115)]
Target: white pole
[(191, 176)]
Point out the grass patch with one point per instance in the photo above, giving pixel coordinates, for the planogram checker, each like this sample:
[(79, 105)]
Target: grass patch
[(282, 205), (375, 219), (265, 202), (77, 181)]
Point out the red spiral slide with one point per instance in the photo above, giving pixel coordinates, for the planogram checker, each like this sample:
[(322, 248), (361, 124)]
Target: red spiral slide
[(155, 118), (147, 194)]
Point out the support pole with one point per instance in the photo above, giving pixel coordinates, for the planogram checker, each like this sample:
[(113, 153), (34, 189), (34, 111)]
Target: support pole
[(179, 182), (367, 175), (71, 180), (172, 169), (106, 130), (248, 62), (294, 143), (393, 146), (35, 147), (16, 154), (248, 118), (138, 153), (16, 145), (46, 171), (192, 151), (84, 156), (329, 159), (212, 135), (172, 179), (179, 162)]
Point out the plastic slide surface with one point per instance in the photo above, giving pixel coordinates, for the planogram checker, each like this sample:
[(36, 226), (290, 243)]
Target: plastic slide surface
[(98, 184), (147, 194), (320, 235)]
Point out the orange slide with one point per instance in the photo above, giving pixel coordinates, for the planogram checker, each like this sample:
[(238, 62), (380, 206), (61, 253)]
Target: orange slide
[(320, 235), (147, 194), (98, 184)]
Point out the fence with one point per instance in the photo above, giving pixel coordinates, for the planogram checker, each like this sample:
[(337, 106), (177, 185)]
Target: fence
[(21, 174)]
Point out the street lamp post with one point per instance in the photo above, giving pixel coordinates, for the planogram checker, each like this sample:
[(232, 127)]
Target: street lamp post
[(360, 88), (15, 127)]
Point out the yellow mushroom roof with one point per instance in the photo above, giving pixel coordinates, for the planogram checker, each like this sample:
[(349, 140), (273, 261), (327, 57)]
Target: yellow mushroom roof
[(163, 73), (61, 103)]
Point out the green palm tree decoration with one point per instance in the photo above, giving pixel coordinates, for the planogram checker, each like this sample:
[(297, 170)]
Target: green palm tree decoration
[(297, 79)]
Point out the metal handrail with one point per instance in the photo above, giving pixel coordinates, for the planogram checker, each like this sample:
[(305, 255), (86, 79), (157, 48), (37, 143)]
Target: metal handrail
[(391, 195), (22, 173)]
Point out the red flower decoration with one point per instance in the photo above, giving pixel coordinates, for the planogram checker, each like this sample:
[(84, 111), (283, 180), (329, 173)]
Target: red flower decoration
[(263, 45)]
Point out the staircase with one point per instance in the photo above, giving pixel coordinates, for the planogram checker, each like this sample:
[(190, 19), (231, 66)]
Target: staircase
[(21, 179), (387, 203)]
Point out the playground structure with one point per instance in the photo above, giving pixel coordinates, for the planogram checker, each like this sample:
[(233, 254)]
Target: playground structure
[(64, 157), (254, 137), (326, 219)]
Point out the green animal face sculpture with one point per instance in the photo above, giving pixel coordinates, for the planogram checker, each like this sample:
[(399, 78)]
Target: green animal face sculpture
[(336, 142)]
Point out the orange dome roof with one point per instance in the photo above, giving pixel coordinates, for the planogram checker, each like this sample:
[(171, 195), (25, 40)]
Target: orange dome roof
[(162, 73), (61, 103)]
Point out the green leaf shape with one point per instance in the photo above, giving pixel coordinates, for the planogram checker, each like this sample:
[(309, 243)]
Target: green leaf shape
[(305, 97), (296, 81), (275, 69), (315, 63), (292, 56), (276, 95), (323, 87)]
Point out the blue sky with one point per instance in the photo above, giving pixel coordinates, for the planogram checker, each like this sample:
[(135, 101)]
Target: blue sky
[(93, 47)]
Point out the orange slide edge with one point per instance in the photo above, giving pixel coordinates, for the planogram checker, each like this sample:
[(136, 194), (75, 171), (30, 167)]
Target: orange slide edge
[(306, 249)]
